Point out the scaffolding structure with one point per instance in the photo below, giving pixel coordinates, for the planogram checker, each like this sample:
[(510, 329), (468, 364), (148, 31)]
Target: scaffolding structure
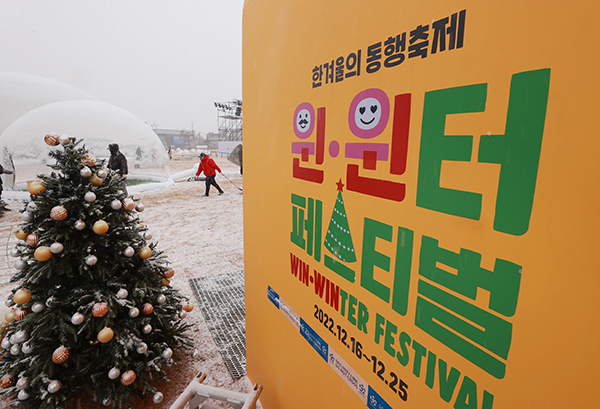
[(229, 117)]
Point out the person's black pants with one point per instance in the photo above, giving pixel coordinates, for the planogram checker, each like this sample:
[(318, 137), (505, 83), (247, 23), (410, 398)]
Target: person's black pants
[(210, 180)]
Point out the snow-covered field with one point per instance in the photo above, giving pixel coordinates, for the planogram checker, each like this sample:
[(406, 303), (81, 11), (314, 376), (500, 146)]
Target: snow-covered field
[(201, 236)]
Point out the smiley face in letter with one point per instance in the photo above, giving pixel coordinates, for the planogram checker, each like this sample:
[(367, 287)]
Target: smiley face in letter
[(304, 120), (369, 113)]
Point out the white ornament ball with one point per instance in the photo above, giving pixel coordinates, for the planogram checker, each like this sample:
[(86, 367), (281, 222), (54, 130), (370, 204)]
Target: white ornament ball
[(56, 248), (182, 314), (142, 348), (161, 299), (129, 251), (134, 312), (114, 373), (79, 225), (21, 336), (101, 173), (140, 207), (15, 252), (54, 386), (38, 306), (91, 260), (27, 349), (90, 197), (85, 172), (31, 206), (15, 349), (20, 264), (77, 318), (27, 216), (122, 293), (5, 343), (64, 139), (147, 329), (158, 397), (22, 383), (22, 395), (147, 235), (8, 302), (195, 354), (13, 339), (115, 204), (167, 353)]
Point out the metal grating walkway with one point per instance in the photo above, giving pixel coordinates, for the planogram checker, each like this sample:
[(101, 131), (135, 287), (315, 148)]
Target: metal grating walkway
[(221, 299)]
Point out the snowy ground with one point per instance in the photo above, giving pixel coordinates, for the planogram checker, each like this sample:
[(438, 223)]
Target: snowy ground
[(201, 236)]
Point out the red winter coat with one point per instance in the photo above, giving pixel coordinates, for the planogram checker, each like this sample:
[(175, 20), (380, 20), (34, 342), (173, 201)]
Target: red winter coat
[(208, 166)]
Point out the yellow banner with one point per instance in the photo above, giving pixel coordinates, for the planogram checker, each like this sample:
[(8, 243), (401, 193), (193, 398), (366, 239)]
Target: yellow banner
[(420, 203)]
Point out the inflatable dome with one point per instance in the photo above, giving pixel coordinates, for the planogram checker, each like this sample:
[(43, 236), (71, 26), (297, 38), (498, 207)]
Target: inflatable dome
[(98, 124), (20, 93)]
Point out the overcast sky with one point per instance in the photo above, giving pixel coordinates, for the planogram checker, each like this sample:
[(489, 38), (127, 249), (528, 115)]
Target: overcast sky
[(164, 61)]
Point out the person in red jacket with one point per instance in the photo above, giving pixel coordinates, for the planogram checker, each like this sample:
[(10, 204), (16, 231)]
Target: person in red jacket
[(208, 166)]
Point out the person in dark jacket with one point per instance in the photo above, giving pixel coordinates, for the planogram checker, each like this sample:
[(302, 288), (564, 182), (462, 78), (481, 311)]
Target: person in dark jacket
[(208, 166), (8, 172), (118, 163)]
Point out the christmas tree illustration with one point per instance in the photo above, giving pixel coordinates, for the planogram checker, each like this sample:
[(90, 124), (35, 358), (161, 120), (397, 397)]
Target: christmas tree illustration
[(93, 309), (338, 239)]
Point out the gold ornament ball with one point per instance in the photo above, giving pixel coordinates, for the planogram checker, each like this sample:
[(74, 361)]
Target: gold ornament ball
[(100, 227), (169, 273), (60, 355), (99, 309), (165, 282), (188, 307), (9, 316), (22, 296), (145, 252), (35, 188), (147, 309), (128, 204), (128, 378), (21, 313), (8, 381), (51, 139), (42, 253), (95, 180), (32, 239), (58, 213), (21, 234), (88, 159), (105, 335)]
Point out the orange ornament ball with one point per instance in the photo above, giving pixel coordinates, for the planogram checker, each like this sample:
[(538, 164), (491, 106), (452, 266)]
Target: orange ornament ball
[(89, 159), (22, 296), (128, 204), (188, 307), (169, 273), (20, 314), (95, 180), (165, 282), (145, 252), (21, 234), (100, 227), (128, 378), (60, 355), (32, 239), (99, 309), (9, 316), (58, 213), (105, 335), (42, 253), (35, 188), (147, 309), (51, 139)]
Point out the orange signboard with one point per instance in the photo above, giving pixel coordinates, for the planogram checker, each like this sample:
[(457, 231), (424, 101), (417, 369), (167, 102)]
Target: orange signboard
[(420, 204)]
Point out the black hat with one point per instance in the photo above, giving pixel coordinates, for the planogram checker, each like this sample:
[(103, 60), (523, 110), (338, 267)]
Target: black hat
[(202, 155), (113, 147)]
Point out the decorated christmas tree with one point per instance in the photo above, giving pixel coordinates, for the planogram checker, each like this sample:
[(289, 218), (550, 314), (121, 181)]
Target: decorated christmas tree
[(92, 309), (338, 239)]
